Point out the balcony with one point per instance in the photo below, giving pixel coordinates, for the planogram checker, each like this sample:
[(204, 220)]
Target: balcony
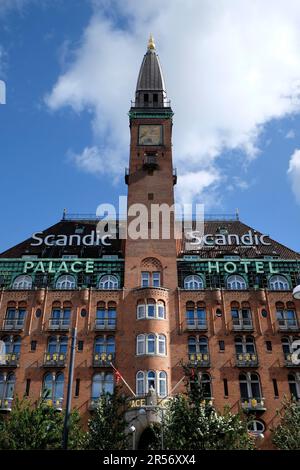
[(246, 360), (54, 359), (57, 324), (150, 162), (103, 359), (56, 403), (253, 404), (6, 404), (242, 325), (289, 362), (199, 360), (196, 325), (105, 324), (288, 325), (13, 324), (9, 360)]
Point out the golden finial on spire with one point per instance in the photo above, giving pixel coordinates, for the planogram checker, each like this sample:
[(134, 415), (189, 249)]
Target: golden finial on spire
[(151, 44)]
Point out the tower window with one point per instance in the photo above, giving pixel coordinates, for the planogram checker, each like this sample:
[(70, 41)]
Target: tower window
[(146, 98), (155, 98), (150, 196)]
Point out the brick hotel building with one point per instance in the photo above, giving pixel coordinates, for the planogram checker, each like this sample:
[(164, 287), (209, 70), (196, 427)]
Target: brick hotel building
[(148, 306)]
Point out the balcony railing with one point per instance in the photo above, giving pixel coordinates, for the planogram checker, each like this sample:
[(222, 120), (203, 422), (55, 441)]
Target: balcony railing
[(9, 360), (246, 360), (288, 325), (242, 325), (105, 324), (13, 324), (6, 404), (56, 359), (103, 359), (59, 324), (289, 361), (196, 325), (56, 403), (253, 404), (199, 359)]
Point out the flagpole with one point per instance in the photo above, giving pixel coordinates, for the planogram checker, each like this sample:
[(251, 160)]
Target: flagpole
[(129, 388)]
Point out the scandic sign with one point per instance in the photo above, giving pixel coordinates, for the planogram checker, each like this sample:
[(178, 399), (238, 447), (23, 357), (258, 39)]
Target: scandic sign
[(88, 266), (93, 239)]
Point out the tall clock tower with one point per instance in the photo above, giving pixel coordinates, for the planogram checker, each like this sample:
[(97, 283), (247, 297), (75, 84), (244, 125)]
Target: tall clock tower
[(150, 285)]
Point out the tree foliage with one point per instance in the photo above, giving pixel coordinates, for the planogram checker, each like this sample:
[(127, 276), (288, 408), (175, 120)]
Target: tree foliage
[(286, 436), (29, 427), (106, 428)]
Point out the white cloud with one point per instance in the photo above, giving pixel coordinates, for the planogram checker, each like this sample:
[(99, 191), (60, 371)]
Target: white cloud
[(294, 173), (230, 67)]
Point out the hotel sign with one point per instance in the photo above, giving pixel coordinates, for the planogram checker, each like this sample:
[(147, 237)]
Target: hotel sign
[(89, 266)]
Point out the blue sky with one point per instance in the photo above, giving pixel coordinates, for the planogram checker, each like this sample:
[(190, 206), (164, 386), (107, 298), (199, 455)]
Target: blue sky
[(70, 69)]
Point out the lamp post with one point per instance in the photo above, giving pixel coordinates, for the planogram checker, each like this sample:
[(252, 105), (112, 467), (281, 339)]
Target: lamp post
[(69, 393), (133, 430), (296, 292)]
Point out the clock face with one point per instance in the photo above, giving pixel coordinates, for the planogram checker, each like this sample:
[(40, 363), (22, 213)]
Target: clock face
[(150, 134)]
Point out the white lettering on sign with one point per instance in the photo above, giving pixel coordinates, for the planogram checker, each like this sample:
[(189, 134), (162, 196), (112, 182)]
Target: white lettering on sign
[(248, 239), (92, 239)]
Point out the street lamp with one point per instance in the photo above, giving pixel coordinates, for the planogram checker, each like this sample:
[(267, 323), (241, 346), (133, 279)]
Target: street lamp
[(132, 431), (296, 292)]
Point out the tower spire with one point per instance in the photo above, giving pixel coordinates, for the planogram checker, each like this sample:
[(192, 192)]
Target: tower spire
[(151, 43)]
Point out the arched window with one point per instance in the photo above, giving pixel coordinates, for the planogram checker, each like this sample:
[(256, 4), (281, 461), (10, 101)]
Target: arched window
[(278, 282), (7, 387), (108, 282), (53, 387), (195, 317), (193, 282), (241, 319), (140, 383), (294, 385), (256, 427), (236, 282), (58, 345), (250, 386), (287, 319), (105, 345), (151, 344), (60, 318), (12, 344), (151, 381), (205, 382), (151, 310), (22, 282), (244, 345), (66, 282), (162, 384), (102, 383), (14, 319)]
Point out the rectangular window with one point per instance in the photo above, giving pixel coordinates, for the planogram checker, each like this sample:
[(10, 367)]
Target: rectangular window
[(33, 345), (146, 97), (27, 389), (150, 196), (155, 98), (275, 387), (269, 346), (145, 279), (156, 279), (77, 387), (151, 311), (141, 311), (225, 383), (80, 345), (221, 345)]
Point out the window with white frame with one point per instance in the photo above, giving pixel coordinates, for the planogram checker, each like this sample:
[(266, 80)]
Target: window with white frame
[(53, 387), (278, 282), (66, 282), (12, 344), (294, 385), (195, 316), (256, 427), (151, 279), (250, 386), (287, 318), (236, 282), (7, 386), (150, 310), (155, 381), (102, 383), (241, 318), (23, 282), (152, 344), (193, 282), (109, 282)]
